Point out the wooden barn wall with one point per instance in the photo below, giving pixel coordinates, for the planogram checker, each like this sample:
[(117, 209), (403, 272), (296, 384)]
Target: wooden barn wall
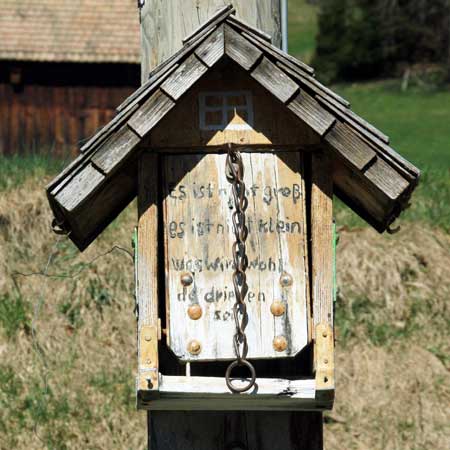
[(52, 111)]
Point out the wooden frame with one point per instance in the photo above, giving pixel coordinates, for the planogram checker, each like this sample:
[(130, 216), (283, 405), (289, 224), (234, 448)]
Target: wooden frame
[(160, 392)]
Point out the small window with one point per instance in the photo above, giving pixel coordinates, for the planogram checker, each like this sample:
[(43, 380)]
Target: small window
[(226, 110)]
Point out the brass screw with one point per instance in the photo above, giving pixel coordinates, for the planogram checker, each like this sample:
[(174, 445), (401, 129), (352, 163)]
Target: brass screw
[(324, 334), (195, 311), (280, 344), (194, 347), (286, 280), (186, 279), (147, 337), (277, 308)]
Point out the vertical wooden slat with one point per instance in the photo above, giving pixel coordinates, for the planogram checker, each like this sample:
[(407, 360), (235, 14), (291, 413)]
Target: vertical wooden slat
[(322, 273), (147, 271), (322, 238)]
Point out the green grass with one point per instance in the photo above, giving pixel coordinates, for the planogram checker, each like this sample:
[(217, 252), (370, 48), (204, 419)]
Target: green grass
[(302, 29), (15, 170), (417, 121)]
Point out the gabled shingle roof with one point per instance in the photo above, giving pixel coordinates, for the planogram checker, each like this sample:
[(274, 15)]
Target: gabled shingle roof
[(368, 174), (69, 31)]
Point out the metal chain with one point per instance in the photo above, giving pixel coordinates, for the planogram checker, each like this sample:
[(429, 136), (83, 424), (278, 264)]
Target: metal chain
[(235, 176)]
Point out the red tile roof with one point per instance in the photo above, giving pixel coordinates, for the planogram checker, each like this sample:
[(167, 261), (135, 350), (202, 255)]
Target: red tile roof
[(69, 30)]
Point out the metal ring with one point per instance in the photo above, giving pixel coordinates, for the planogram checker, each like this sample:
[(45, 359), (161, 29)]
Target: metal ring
[(59, 227), (239, 363)]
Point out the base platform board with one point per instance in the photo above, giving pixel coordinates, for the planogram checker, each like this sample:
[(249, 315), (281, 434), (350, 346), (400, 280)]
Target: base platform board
[(181, 393)]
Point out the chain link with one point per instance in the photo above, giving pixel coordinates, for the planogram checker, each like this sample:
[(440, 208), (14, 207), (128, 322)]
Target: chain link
[(235, 176)]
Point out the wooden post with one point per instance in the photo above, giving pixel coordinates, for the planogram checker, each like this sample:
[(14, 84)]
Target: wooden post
[(164, 25)]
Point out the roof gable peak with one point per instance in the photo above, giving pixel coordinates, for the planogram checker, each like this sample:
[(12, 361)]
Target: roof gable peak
[(369, 175)]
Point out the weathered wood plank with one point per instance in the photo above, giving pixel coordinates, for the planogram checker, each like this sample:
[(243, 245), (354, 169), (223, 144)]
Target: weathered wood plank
[(108, 129), (235, 430), (337, 105), (83, 185), (385, 178), (96, 211), (322, 238), (361, 195), (213, 48), (346, 142), (151, 84), (278, 54), (241, 25), (240, 49), (322, 274), (189, 72), (147, 272), (309, 110), (150, 113), (324, 364), (213, 20), (205, 393), (197, 216), (308, 80), (275, 80), (115, 150)]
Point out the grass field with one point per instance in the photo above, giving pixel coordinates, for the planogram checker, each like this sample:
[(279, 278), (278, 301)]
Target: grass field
[(67, 339)]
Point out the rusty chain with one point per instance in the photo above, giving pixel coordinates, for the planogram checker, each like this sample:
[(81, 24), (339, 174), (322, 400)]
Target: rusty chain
[(235, 176)]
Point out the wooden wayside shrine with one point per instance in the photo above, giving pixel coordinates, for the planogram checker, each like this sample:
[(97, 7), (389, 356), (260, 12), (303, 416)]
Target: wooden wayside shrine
[(230, 109)]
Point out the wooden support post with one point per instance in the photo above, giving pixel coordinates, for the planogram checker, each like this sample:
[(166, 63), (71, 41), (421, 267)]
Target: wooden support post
[(147, 276), (322, 274), (187, 430), (165, 23)]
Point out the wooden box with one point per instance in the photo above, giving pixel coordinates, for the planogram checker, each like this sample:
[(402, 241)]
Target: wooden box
[(185, 290)]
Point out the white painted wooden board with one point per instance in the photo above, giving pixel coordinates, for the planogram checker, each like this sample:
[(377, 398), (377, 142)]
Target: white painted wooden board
[(198, 239), (211, 394)]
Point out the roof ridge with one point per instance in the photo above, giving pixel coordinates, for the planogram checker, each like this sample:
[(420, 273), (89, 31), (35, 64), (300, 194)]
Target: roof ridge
[(221, 15)]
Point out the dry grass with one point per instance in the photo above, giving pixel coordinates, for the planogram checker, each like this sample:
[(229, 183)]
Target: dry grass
[(392, 315)]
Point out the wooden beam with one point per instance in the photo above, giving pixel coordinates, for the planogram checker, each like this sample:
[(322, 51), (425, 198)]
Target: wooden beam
[(213, 48), (322, 273), (385, 178), (147, 275), (115, 150), (275, 80), (150, 113), (212, 394), (214, 20), (189, 430), (312, 113), (240, 49), (184, 77), (346, 143), (80, 188)]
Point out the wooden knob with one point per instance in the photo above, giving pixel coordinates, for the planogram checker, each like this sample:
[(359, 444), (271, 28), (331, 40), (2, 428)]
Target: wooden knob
[(280, 344), (195, 312), (186, 279), (277, 308), (286, 279), (194, 347)]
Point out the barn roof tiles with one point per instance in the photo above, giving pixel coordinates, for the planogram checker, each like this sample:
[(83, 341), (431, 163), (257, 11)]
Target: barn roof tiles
[(368, 174), (70, 31)]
